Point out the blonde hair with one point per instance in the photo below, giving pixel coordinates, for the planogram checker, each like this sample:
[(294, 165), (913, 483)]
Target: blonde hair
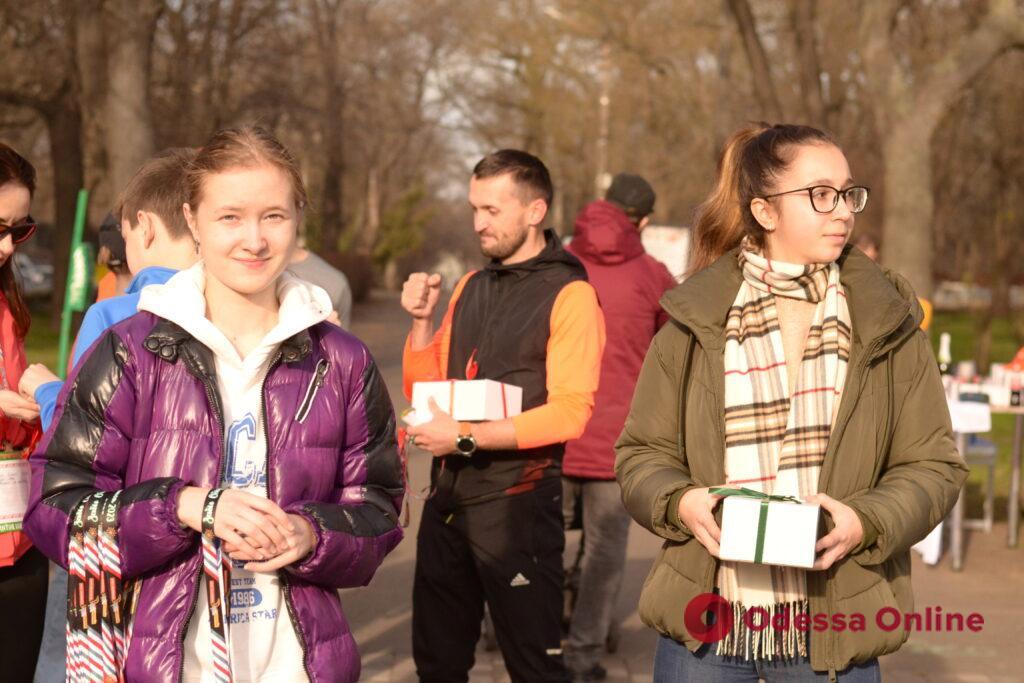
[(242, 147)]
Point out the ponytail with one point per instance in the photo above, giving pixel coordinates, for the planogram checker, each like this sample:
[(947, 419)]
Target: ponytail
[(751, 159), (719, 226)]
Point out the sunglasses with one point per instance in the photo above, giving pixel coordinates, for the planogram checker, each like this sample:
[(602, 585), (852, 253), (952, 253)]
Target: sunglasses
[(20, 232)]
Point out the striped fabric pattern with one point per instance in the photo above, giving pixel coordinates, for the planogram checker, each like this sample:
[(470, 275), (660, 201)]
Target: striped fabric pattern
[(775, 442), (215, 568), (96, 628)]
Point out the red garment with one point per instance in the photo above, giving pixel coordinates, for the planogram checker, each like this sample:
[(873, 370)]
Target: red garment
[(629, 283), (13, 433)]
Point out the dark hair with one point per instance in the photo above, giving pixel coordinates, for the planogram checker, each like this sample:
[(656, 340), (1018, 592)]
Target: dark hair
[(115, 257), (14, 168), (245, 147), (158, 187), (751, 160), (529, 173)]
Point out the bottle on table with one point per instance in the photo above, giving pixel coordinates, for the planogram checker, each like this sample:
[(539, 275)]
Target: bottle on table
[(945, 358)]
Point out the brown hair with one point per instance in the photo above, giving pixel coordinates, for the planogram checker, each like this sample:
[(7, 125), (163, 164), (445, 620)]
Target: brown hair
[(245, 147), (14, 168), (529, 173), (159, 187), (751, 160)]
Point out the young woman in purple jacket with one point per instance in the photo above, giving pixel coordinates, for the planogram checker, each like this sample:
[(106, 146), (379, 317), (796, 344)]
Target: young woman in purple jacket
[(223, 461)]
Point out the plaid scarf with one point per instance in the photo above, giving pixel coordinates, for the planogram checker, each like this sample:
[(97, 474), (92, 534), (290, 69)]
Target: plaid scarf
[(775, 442)]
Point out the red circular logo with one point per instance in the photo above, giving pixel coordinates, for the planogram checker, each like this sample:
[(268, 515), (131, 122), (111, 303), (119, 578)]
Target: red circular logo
[(718, 622)]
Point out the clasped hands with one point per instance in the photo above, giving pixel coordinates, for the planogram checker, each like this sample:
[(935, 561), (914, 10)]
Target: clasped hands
[(253, 529), (697, 513)]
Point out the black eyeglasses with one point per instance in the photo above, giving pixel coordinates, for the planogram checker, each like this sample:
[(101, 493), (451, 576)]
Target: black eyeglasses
[(20, 232), (825, 198)]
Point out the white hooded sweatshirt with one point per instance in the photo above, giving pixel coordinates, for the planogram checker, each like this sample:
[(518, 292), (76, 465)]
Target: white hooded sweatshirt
[(264, 645)]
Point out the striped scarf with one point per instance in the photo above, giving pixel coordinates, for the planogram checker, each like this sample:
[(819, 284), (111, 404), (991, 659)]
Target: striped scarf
[(775, 442)]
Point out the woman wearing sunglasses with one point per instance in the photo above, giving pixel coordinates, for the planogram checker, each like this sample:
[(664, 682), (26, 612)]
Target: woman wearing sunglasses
[(23, 569), (794, 366)]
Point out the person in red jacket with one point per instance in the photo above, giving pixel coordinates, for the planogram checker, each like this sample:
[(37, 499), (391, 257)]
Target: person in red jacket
[(629, 284), (22, 567)]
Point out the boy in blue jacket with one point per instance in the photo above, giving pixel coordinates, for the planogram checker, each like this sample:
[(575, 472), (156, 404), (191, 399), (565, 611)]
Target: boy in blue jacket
[(157, 245)]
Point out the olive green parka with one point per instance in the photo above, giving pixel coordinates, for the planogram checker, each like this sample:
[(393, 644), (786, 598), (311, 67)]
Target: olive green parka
[(891, 456)]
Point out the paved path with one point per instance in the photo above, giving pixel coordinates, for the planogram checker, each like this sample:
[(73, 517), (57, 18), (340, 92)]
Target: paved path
[(991, 584)]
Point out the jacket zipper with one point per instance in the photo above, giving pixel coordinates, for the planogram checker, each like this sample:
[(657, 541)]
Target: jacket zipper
[(295, 622), (282, 575), (869, 355), (214, 400), (311, 391)]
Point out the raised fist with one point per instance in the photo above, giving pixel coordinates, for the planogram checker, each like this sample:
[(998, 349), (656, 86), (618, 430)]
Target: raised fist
[(420, 294)]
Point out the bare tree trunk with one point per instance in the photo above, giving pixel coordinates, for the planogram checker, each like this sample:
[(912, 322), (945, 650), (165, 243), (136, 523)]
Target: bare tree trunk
[(909, 203), (392, 280), (808, 64), (368, 238), (325, 18), (129, 122), (333, 194), (764, 85), (90, 55), (604, 104), (64, 125)]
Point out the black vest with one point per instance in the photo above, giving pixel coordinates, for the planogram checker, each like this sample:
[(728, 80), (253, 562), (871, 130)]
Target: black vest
[(501, 325)]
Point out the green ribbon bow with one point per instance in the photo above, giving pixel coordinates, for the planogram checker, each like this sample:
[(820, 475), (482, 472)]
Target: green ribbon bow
[(762, 520)]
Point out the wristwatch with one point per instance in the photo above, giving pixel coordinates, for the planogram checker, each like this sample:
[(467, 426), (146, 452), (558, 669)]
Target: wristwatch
[(465, 444)]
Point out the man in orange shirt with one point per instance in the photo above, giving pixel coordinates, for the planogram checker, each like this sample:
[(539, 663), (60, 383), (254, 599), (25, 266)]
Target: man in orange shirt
[(492, 531)]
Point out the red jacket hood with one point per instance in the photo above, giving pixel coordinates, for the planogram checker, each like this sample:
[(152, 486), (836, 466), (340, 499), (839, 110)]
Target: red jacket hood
[(603, 233)]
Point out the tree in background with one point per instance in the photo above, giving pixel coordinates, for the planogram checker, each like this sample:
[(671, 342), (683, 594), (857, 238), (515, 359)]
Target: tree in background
[(381, 98)]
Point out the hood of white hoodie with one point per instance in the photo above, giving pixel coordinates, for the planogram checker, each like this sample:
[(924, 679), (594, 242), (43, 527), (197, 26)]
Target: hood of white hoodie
[(182, 301)]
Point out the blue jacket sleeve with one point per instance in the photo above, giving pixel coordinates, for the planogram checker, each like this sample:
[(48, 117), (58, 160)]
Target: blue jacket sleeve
[(46, 397), (93, 327)]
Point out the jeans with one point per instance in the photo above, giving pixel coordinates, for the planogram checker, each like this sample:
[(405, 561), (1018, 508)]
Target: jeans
[(50, 668), (674, 663), (605, 532)]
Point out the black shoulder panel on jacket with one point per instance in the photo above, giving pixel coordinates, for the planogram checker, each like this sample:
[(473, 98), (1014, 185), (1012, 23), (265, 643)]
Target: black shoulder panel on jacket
[(383, 466), (371, 518), (76, 438)]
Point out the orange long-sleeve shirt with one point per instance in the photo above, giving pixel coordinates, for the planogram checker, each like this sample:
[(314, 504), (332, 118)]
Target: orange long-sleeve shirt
[(573, 364)]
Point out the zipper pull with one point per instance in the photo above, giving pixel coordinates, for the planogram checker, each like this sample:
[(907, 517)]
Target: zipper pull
[(312, 390)]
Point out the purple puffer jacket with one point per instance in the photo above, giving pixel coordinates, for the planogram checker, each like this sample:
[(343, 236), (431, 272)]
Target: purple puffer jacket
[(142, 413)]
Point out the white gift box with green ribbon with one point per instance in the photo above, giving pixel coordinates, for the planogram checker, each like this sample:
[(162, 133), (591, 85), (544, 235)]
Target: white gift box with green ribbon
[(764, 529)]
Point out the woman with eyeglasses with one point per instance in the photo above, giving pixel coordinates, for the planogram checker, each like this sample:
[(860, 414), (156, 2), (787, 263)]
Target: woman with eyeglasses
[(793, 366), (23, 569)]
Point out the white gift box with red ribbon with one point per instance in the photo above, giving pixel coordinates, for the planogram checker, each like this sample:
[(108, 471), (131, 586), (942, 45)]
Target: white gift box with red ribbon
[(465, 400)]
